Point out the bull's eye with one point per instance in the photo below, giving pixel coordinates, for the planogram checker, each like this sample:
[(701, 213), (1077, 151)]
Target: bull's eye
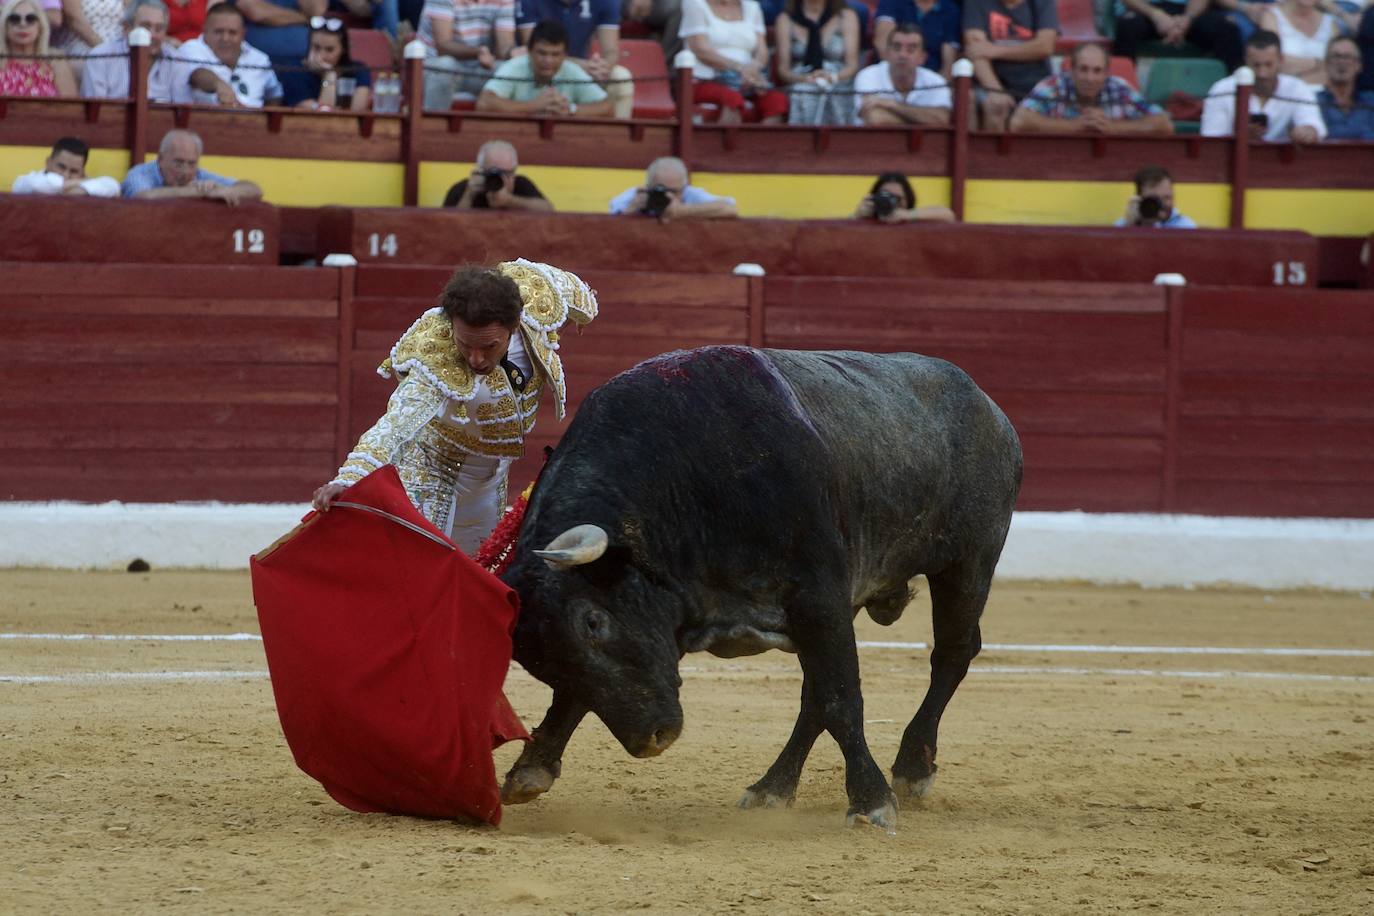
[(596, 623)]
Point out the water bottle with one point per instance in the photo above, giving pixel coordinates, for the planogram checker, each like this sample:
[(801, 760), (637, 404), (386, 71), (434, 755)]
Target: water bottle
[(388, 93)]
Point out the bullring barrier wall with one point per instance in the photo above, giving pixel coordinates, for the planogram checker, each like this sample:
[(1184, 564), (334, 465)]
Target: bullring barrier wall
[(245, 384)]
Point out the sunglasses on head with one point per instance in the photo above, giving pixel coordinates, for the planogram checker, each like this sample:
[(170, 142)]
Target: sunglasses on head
[(329, 25), (22, 19)]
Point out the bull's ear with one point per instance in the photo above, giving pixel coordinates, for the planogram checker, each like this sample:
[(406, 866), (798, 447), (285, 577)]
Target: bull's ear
[(575, 547)]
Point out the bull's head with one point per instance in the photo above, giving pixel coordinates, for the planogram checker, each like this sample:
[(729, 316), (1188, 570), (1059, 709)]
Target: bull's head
[(593, 625)]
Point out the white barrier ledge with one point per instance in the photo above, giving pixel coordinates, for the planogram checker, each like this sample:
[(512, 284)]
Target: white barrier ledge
[(1148, 550)]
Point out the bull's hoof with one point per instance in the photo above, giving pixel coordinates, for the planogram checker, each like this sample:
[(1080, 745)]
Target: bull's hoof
[(883, 817), (909, 789), (759, 798), (524, 784)]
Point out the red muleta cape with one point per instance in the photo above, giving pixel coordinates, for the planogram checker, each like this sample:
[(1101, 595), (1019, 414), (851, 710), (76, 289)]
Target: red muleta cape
[(388, 648)]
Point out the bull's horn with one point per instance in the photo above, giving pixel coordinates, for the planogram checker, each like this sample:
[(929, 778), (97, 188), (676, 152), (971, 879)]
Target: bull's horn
[(575, 547)]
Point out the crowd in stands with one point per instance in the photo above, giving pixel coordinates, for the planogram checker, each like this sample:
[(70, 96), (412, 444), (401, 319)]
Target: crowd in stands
[(807, 62)]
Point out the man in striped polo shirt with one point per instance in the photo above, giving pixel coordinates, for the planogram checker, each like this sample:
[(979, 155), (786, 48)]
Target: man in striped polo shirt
[(465, 40)]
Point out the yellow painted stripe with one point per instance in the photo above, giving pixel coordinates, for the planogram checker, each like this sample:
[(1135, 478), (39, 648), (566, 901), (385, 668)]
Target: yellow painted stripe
[(316, 182), (1318, 211)]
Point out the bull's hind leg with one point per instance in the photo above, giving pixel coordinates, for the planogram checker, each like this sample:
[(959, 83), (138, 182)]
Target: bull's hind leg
[(957, 597), (778, 787)]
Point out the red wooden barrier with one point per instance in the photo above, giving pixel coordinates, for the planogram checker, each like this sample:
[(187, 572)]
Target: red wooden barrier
[(176, 383), (1079, 368), (91, 230), (1276, 414), (843, 248)]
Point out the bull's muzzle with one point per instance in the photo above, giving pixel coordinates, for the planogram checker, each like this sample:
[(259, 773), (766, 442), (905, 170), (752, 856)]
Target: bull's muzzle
[(658, 741)]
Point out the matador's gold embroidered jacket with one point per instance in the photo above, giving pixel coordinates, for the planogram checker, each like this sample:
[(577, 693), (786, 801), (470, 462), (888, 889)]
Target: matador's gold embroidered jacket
[(442, 413)]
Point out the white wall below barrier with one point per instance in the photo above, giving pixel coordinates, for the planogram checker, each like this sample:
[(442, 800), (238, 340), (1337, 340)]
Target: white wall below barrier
[(1149, 550)]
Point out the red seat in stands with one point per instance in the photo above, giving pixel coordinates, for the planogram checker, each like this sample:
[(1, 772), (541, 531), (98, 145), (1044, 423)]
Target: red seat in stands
[(371, 47), (1123, 67), (653, 93), (1076, 26)]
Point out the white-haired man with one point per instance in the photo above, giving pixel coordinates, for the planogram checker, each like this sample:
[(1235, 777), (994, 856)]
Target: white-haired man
[(177, 173), (495, 185), (106, 75), (668, 194)]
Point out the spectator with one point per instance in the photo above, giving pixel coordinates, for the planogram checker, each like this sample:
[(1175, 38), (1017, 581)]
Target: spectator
[(892, 199), (495, 184), (280, 28), (64, 172), (660, 17), (544, 81), (86, 24), (384, 15), (463, 39), (940, 27), (583, 19), (1347, 111), (53, 10), (1304, 32), (177, 173), (668, 194), (1282, 107), (106, 75), (1010, 43), (186, 20), (729, 42), (1153, 203), (817, 45), (1200, 22), (25, 36), (331, 79), (220, 68), (1086, 99), (899, 90)]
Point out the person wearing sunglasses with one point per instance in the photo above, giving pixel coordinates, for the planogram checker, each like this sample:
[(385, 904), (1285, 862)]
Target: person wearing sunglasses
[(331, 79), (221, 68), (1347, 110), (26, 67)]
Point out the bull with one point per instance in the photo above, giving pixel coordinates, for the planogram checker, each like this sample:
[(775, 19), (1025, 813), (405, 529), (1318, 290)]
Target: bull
[(734, 500)]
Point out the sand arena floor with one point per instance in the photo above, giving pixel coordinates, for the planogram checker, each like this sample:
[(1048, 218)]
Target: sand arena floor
[(1074, 782)]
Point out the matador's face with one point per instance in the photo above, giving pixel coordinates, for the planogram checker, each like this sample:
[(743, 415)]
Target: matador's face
[(481, 346)]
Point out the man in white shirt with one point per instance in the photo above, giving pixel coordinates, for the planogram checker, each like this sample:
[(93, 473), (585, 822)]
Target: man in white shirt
[(1282, 108), (899, 90), (220, 68), (64, 172), (668, 194), (106, 74)]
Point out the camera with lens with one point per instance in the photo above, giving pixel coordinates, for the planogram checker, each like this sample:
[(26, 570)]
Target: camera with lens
[(1150, 207), (493, 180), (656, 201), (885, 203)]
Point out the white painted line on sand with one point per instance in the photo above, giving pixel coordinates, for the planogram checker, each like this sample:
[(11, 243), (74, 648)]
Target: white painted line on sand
[(135, 637), (1157, 672), (1139, 650), (105, 677), (865, 644)]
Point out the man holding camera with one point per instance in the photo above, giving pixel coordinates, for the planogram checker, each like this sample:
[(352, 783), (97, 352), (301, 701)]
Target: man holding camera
[(494, 184), (1153, 203), (668, 195), (1282, 107)]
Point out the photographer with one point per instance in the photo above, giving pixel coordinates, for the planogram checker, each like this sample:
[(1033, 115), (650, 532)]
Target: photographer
[(667, 195), (892, 199), (1153, 203), (495, 185)]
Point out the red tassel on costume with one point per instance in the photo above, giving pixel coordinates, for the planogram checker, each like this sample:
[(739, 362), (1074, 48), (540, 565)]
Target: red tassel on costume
[(498, 549)]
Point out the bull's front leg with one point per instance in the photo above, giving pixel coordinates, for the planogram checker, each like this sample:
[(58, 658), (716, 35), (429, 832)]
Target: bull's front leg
[(829, 657), (541, 762)]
